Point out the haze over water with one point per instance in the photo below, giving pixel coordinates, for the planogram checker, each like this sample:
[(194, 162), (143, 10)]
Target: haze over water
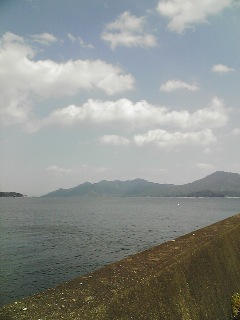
[(46, 241)]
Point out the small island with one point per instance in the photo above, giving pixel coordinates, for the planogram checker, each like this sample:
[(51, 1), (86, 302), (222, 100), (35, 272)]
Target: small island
[(11, 194)]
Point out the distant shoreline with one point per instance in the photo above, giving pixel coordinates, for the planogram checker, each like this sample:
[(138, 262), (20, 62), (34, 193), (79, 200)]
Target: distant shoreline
[(11, 195), (217, 185)]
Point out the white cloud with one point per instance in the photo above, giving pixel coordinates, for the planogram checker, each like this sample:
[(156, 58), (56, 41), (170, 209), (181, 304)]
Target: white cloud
[(103, 112), (185, 13), (21, 77), (235, 132), (220, 68), (57, 169), (44, 38), (48, 78), (173, 85), (128, 30), (213, 116), (83, 44), (164, 139), (71, 37), (15, 108), (139, 115), (114, 140)]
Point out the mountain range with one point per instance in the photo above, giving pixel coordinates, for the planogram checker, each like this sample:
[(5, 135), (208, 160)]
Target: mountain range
[(217, 184)]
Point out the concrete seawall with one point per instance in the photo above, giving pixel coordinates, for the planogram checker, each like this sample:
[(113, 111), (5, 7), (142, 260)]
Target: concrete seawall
[(191, 278)]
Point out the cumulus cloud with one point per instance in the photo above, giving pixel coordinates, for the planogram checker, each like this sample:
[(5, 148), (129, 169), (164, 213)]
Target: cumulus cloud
[(220, 68), (129, 31), (186, 13), (48, 78), (114, 140), (44, 38), (139, 115), (194, 129), (162, 138), (173, 85), (22, 77)]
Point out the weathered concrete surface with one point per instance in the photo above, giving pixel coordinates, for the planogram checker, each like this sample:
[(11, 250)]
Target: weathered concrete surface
[(191, 278)]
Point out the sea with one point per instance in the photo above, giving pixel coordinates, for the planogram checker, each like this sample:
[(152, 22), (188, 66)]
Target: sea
[(48, 241)]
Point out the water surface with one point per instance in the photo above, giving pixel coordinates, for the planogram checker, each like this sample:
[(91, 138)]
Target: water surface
[(46, 241)]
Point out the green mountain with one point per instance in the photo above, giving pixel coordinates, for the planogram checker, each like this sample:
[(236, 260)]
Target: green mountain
[(218, 184)]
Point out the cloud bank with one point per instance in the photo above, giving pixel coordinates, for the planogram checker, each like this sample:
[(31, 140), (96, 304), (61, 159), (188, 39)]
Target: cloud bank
[(22, 77), (138, 115), (194, 129)]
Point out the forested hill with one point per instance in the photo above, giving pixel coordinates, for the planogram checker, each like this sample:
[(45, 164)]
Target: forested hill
[(218, 184), (10, 194)]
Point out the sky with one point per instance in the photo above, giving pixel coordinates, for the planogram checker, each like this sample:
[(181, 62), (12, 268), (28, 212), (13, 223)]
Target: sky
[(95, 90)]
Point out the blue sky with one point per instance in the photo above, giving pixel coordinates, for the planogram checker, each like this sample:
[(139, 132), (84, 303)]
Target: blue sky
[(103, 90)]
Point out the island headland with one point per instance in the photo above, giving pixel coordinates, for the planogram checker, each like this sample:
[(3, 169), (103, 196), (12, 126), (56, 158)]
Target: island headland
[(11, 194)]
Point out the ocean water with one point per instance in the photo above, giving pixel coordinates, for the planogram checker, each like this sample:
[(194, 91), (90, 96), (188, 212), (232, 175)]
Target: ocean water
[(47, 241)]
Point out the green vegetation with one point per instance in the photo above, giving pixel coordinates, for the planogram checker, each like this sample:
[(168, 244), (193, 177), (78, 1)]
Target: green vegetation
[(218, 184), (236, 306), (11, 194)]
